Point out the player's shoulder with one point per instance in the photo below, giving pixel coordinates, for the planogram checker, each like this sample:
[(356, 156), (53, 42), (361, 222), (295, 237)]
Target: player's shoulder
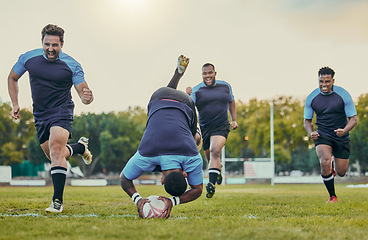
[(342, 92), (32, 53), (66, 57), (198, 86), (314, 93), (70, 61)]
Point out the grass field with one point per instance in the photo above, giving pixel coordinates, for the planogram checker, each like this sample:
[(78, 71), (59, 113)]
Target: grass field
[(235, 212)]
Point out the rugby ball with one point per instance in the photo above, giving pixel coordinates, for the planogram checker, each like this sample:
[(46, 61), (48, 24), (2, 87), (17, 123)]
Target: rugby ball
[(154, 208)]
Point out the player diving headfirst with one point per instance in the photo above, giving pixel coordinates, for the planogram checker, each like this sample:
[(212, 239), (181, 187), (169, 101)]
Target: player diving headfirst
[(170, 142)]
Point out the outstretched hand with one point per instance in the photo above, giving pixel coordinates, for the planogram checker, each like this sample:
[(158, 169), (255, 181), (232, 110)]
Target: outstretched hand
[(182, 64), (168, 207)]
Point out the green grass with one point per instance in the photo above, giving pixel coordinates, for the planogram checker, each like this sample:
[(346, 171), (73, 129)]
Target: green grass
[(235, 212)]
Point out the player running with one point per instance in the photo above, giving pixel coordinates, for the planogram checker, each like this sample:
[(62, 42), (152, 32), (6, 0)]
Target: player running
[(52, 73), (333, 105), (213, 98), (169, 143)]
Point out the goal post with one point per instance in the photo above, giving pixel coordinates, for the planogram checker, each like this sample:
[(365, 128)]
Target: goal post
[(255, 168)]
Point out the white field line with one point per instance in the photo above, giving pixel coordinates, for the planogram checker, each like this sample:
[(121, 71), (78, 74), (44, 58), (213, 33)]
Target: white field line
[(36, 215)]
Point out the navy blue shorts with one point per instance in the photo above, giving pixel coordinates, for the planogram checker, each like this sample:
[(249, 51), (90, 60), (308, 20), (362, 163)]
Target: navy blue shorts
[(43, 127), (221, 130), (340, 149)]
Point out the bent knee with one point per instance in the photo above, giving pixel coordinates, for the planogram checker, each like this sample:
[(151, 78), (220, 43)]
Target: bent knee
[(341, 173)]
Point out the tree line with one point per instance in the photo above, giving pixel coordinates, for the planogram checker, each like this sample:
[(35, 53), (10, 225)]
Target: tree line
[(115, 136)]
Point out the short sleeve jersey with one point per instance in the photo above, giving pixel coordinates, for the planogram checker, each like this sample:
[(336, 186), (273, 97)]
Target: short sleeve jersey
[(332, 110), (212, 103), (171, 125), (50, 82)]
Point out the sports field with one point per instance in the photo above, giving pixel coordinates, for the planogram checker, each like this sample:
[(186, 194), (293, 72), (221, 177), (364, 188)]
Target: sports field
[(235, 212)]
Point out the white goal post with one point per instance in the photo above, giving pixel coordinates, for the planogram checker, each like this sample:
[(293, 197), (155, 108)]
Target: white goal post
[(255, 168)]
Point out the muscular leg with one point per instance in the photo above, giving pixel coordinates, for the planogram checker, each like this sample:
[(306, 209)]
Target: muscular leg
[(216, 145), (341, 166), (175, 80), (324, 153), (55, 149)]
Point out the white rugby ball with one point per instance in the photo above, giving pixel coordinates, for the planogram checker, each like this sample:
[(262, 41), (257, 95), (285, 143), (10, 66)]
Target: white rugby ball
[(154, 208)]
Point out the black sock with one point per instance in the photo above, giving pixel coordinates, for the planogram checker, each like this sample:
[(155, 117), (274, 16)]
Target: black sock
[(213, 174), (329, 182), (58, 175), (75, 148)]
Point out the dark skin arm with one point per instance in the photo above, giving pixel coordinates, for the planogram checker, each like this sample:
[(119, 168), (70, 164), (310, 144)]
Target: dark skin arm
[(350, 125), (192, 194), (308, 126), (128, 186)]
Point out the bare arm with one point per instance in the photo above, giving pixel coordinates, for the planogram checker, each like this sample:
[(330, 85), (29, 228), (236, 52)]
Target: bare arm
[(128, 186), (84, 93), (192, 194), (13, 93), (350, 125), (308, 126), (232, 109)]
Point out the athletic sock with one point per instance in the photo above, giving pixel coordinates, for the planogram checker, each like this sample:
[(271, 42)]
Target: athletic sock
[(58, 175), (76, 148), (213, 174), (329, 182)]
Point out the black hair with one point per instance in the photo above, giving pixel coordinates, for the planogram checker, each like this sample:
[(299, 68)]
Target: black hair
[(175, 183), (209, 64), (326, 71)]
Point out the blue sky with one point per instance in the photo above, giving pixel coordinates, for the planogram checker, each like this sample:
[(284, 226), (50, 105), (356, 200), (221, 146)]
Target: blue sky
[(128, 48)]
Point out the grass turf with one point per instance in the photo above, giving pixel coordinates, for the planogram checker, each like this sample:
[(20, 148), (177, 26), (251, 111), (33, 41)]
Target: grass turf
[(235, 212)]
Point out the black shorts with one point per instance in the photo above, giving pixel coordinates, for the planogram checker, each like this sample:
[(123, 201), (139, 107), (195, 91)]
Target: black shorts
[(221, 130), (43, 127), (340, 149)]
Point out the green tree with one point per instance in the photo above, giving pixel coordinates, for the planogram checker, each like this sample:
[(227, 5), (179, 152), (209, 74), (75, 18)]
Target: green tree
[(359, 135), (14, 135)]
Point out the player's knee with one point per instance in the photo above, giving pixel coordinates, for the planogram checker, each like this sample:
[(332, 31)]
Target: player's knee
[(341, 173), (215, 152)]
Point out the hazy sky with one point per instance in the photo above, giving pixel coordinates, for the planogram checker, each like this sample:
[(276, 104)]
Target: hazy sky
[(129, 48)]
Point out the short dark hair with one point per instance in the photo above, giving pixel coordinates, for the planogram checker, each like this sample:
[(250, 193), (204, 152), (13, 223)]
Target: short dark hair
[(175, 183), (51, 29), (208, 64), (326, 71)]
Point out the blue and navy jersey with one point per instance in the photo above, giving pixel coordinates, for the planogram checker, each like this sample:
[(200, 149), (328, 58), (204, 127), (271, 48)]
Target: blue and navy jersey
[(50, 82), (169, 129), (332, 110), (212, 103)]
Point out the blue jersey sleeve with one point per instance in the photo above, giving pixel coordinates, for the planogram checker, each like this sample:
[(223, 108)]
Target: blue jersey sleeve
[(78, 74), (308, 110), (19, 67), (194, 90), (230, 89), (350, 109)]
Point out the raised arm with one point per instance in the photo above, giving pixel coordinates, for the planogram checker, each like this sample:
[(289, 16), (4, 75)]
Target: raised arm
[(84, 93), (13, 92)]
